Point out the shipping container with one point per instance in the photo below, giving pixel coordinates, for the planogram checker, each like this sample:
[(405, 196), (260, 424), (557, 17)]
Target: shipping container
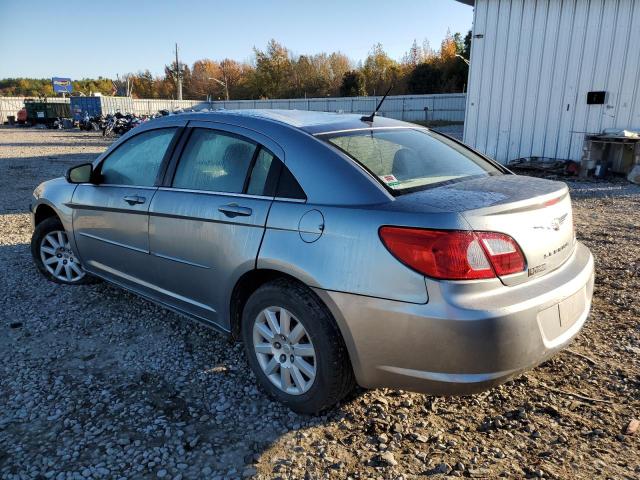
[(42, 111), (96, 106), (12, 105)]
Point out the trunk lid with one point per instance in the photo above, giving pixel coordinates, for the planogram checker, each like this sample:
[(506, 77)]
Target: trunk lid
[(535, 212)]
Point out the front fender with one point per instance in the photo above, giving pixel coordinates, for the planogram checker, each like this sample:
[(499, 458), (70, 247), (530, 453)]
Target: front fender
[(56, 194)]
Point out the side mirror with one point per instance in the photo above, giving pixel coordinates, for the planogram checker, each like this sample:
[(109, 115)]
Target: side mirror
[(82, 173)]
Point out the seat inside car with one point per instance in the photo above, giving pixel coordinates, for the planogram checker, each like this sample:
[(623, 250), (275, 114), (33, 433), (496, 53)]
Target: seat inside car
[(217, 167), (406, 164), (235, 155)]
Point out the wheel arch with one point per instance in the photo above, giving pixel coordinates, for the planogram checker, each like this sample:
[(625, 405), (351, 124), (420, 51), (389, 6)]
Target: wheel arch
[(248, 283), (44, 211)]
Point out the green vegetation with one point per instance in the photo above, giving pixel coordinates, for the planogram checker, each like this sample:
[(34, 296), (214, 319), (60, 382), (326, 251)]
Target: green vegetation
[(38, 87), (276, 73)]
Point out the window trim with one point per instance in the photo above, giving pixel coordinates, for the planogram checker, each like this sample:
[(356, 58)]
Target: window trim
[(163, 163), (229, 194), (252, 164)]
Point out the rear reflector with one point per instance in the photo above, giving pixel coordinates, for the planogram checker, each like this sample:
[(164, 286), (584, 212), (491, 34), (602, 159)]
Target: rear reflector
[(454, 254)]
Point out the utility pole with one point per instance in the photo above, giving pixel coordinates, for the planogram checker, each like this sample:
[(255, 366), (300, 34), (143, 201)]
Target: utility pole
[(226, 88), (178, 75)]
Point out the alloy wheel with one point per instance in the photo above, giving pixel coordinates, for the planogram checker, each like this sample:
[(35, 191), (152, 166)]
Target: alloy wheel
[(284, 350), (58, 258)]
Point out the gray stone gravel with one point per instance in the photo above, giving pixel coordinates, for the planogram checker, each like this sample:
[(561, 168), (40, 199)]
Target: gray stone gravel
[(96, 383)]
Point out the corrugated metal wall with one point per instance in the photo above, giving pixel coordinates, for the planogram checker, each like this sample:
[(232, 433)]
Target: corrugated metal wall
[(533, 66), (444, 107), (144, 106)]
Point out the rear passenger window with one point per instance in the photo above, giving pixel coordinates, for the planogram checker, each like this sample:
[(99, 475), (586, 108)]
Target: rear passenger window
[(258, 184), (270, 178), (214, 161), (288, 186)]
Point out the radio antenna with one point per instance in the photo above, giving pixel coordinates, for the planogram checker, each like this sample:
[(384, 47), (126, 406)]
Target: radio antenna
[(369, 118)]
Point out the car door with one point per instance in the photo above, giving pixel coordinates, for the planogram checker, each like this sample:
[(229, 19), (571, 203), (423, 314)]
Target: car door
[(110, 218), (207, 222)]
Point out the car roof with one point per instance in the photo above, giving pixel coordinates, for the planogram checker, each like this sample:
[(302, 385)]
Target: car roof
[(309, 121)]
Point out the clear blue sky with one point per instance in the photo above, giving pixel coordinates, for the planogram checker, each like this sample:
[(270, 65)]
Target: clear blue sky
[(78, 39)]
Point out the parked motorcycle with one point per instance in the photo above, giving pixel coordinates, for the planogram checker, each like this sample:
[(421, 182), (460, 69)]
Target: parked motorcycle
[(89, 123), (119, 124)]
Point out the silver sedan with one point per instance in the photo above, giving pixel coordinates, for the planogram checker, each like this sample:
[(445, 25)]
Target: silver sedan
[(340, 249)]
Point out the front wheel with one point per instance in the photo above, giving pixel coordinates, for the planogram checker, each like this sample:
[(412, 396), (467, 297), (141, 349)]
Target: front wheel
[(53, 256), (295, 348)]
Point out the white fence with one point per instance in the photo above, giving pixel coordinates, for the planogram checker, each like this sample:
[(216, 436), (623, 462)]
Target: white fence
[(149, 106), (442, 107)]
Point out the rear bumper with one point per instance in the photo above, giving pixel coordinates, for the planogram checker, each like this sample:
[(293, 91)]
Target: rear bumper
[(468, 337)]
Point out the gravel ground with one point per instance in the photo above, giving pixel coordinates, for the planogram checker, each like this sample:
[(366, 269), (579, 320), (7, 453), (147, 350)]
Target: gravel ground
[(97, 383)]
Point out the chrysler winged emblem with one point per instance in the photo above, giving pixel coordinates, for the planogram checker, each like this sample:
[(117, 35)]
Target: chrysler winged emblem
[(555, 223), (558, 221)]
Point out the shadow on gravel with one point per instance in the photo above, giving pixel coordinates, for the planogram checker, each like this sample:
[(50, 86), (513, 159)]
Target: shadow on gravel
[(19, 176), (82, 142), (107, 380), (603, 189), (39, 160), (589, 194)]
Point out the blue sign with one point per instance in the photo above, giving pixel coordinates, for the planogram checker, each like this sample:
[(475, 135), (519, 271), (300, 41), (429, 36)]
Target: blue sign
[(62, 85)]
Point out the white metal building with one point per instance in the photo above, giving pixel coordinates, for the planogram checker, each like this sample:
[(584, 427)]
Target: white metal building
[(533, 64)]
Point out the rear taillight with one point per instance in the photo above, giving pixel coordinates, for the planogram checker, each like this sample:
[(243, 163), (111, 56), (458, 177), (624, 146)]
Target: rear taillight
[(503, 252), (454, 254)]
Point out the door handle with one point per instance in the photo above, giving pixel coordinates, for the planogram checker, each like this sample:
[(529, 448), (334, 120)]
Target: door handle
[(235, 210), (134, 199)]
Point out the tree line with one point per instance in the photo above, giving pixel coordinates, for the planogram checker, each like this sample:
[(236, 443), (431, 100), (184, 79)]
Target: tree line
[(275, 72)]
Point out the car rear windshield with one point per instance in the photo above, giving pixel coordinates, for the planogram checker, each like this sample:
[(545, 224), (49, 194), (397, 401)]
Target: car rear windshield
[(410, 159)]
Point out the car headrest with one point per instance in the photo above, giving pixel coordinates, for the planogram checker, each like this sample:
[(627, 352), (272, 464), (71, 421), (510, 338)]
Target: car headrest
[(238, 154), (405, 164)]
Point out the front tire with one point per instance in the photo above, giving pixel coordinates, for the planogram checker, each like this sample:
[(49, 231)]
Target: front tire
[(53, 256), (295, 348)]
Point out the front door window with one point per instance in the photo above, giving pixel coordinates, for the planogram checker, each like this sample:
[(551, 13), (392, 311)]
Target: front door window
[(137, 161)]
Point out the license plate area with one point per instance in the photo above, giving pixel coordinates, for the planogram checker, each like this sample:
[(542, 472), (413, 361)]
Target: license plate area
[(557, 319)]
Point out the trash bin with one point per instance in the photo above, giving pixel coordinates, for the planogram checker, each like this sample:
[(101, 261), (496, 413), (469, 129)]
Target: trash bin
[(11, 119), (41, 111)]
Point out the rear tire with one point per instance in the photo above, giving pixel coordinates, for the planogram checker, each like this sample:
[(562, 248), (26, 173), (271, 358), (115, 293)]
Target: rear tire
[(325, 375), (50, 244)]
